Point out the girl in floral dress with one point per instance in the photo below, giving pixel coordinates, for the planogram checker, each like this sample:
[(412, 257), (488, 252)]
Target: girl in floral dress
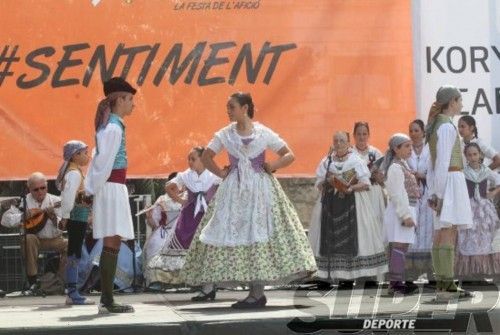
[(251, 232), (476, 259)]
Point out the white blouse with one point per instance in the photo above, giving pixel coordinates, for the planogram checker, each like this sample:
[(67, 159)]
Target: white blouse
[(197, 183), (447, 135), (242, 214), (395, 187), (366, 153), (263, 138), (336, 168), (109, 140), (72, 181), (420, 162)]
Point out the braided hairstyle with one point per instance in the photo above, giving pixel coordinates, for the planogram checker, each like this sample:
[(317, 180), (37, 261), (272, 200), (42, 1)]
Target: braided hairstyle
[(471, 122)]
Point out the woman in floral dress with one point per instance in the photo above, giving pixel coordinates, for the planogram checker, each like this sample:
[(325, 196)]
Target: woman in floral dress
[(251, 232)]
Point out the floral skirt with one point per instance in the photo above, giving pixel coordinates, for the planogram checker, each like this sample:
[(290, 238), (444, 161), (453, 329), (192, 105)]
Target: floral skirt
[(165, 267), (475, 256), (284, 257)]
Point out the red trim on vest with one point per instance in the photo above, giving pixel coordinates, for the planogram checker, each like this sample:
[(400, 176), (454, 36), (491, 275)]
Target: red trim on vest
[(118, 176)]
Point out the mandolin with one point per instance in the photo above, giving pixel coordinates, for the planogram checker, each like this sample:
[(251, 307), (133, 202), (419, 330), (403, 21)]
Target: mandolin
[(38, 218)]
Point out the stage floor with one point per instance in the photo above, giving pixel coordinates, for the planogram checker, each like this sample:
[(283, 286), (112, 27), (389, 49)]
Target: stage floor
[(287, 312)]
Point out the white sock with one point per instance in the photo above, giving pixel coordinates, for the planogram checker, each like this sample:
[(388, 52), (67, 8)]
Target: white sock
[(207, 288)]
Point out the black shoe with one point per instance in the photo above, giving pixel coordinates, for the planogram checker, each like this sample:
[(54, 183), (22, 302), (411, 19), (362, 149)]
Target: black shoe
[(410, 287), (34, 291), (431, 285), (114, 308), (323, 285), (245, 304), (345, 285), (475, 283), (370, 284), (205, 296), (2, 293)]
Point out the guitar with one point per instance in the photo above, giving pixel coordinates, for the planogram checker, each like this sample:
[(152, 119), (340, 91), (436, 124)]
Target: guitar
[(37, 218)]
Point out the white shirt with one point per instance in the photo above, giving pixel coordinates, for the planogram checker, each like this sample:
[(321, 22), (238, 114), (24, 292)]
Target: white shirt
[(72, 181), (395, 187), (109, 140), (228, 137), (447, 135), (197, 183), (365, 154), (420, 162), (13, 216), (353, 162)]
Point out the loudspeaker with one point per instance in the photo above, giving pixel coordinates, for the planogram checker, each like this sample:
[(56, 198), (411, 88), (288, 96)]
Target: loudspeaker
[(11, 273)]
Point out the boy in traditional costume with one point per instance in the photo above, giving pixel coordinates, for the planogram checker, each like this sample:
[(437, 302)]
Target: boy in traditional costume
[(106, 177)]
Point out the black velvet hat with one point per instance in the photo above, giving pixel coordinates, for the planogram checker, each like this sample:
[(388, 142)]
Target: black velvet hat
[(117, 84)]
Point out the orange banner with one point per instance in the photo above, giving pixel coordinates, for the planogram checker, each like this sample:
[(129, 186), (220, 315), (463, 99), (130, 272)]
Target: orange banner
[(312, 67)]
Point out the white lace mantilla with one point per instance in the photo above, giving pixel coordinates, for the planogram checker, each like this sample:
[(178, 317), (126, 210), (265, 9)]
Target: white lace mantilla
[(196, 184), (244, 201)]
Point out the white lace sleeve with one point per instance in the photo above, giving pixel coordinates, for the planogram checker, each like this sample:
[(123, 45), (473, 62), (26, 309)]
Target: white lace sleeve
[(488, 151), (362, 172), (179, 179), (215, 180), (493, 178), (274, 141), (376, 151), (216, 143)]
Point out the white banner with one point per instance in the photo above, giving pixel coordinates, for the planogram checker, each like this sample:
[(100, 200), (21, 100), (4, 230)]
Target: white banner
[(457, 42)]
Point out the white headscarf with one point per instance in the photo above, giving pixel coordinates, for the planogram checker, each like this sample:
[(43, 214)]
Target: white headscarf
[(395, 141), (69, 150)]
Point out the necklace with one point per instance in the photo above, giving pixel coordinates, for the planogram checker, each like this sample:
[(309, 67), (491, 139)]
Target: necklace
[(418, 147), (362, 151), (341, 157)]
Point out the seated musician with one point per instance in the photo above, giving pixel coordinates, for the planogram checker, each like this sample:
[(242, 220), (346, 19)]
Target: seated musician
[(42, 233)]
